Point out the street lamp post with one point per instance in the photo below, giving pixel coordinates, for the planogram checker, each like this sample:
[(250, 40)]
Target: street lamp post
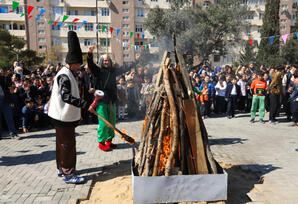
[(97, 48)]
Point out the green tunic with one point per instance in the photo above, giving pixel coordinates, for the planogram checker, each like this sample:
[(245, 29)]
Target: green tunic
[(105, 133)]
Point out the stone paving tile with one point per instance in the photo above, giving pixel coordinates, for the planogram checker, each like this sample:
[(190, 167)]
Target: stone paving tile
[(28, 166)]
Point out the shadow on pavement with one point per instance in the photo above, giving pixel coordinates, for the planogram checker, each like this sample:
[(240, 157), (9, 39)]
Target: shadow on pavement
[(242, 178), (126, 146), (30, 158), (226, 141), (38, 136)]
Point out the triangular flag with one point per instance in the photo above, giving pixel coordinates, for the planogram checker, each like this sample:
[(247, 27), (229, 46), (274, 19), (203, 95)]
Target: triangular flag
[(61, 24), (14, 5), (23, 14), (30, 16), (38, 18), (74, 27), (154, 38), (271, 39), (30, 9), (142, 47), (65, 17), (10, 11), (128, 46), (259, 41), (297, 35), (146, 46), (285, 37), (2, 10), (50, 21), (138, 35), (79, 27), (75, 20), (143, 36), (55, 23), (84, 23), (103, 28), (250, 42), (118, 31), (42, 11), (111, 30), (131, 34)]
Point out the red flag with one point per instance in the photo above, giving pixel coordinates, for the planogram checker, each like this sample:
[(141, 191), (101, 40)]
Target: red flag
[(55, 23), (142, 47), (75, 20), (250, 42), (128, 46), (10, 11), (74, 27), (30, 8), (111, 30), (138, 35), (30, 16)]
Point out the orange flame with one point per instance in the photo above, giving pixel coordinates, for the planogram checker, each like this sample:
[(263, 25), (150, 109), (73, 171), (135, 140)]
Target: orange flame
[(166, 150)]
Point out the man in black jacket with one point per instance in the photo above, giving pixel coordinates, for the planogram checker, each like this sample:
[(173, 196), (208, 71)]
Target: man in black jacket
[(232, 97)]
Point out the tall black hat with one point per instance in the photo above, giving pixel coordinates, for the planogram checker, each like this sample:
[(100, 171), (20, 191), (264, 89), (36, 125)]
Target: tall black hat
[(74, 54)]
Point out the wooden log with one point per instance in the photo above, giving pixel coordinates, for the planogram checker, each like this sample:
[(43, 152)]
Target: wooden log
[(166, 56), (193, 126), (174, 118), (160, 139)]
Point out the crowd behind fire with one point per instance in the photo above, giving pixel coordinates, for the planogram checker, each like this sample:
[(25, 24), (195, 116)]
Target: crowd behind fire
[(220, 91)]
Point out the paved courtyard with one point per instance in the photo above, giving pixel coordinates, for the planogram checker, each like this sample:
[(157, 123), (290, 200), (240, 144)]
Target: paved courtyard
[(28, 169)]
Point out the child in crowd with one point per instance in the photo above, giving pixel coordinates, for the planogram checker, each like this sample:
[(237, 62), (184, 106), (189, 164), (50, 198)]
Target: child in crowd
[(29, 115), (39, 107), (221, 86), (122, 98), (204, 99)]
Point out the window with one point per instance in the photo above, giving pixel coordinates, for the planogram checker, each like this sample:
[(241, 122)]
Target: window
[(248, 31), (41, 39), (3, 9), (261, 16), (89, 13), (41, 32), (15, 26), (125, 18), (125, 25), (72, 26), (39, 0), (104, 41), (22, 27), (55, 27), (105, 12), (282, 27), (56, 41), (58, 10), (19, 10), (140, 12), (283, 20), (284, 13), (259, 29), (139, 28), (73, 12), (250, 17), (89, 26), (154, 0), (125, 2), (88, 42), (284, 7), (42, 47), (125, 48), (216, 58), (125, 33), (125, 10), (125, 42), (6, 26), (206, 4), (40, 24), (125, 55)]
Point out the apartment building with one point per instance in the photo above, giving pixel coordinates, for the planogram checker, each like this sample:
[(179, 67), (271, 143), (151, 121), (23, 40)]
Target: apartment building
[(126, 15)]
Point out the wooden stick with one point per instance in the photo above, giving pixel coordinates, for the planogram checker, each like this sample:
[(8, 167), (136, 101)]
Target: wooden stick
[(127, 138), (174, 118), (160, 139)]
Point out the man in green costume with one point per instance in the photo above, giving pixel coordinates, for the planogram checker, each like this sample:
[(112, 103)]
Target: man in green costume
[(105, 80)]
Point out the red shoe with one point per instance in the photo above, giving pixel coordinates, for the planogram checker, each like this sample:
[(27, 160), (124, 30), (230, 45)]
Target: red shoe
[(109, 143), (104, 147)]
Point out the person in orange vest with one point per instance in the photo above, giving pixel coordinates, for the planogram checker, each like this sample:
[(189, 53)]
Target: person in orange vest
[(259, 87), (203, 99)]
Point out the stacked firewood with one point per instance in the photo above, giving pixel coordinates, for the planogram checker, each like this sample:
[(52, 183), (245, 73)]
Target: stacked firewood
[(174, 139)]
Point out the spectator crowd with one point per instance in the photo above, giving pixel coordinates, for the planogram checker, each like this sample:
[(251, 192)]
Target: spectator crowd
[(222, 91)]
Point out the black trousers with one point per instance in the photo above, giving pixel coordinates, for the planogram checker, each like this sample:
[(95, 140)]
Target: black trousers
[(286, 105), (220, 104), (242, 103), (232, 105), (66, 155), (294, 109), (274, 106)]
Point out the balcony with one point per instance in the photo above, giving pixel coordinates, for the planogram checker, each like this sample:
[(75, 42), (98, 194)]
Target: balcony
[(11, 17), (18, 33)]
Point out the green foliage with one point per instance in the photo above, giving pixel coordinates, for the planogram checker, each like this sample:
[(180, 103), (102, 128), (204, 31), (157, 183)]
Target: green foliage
[(199, 31), (11, 46), (270, 54), (247, 55)]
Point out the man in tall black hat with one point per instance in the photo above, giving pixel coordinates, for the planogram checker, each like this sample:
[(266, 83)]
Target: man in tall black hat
[(64, 111)]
